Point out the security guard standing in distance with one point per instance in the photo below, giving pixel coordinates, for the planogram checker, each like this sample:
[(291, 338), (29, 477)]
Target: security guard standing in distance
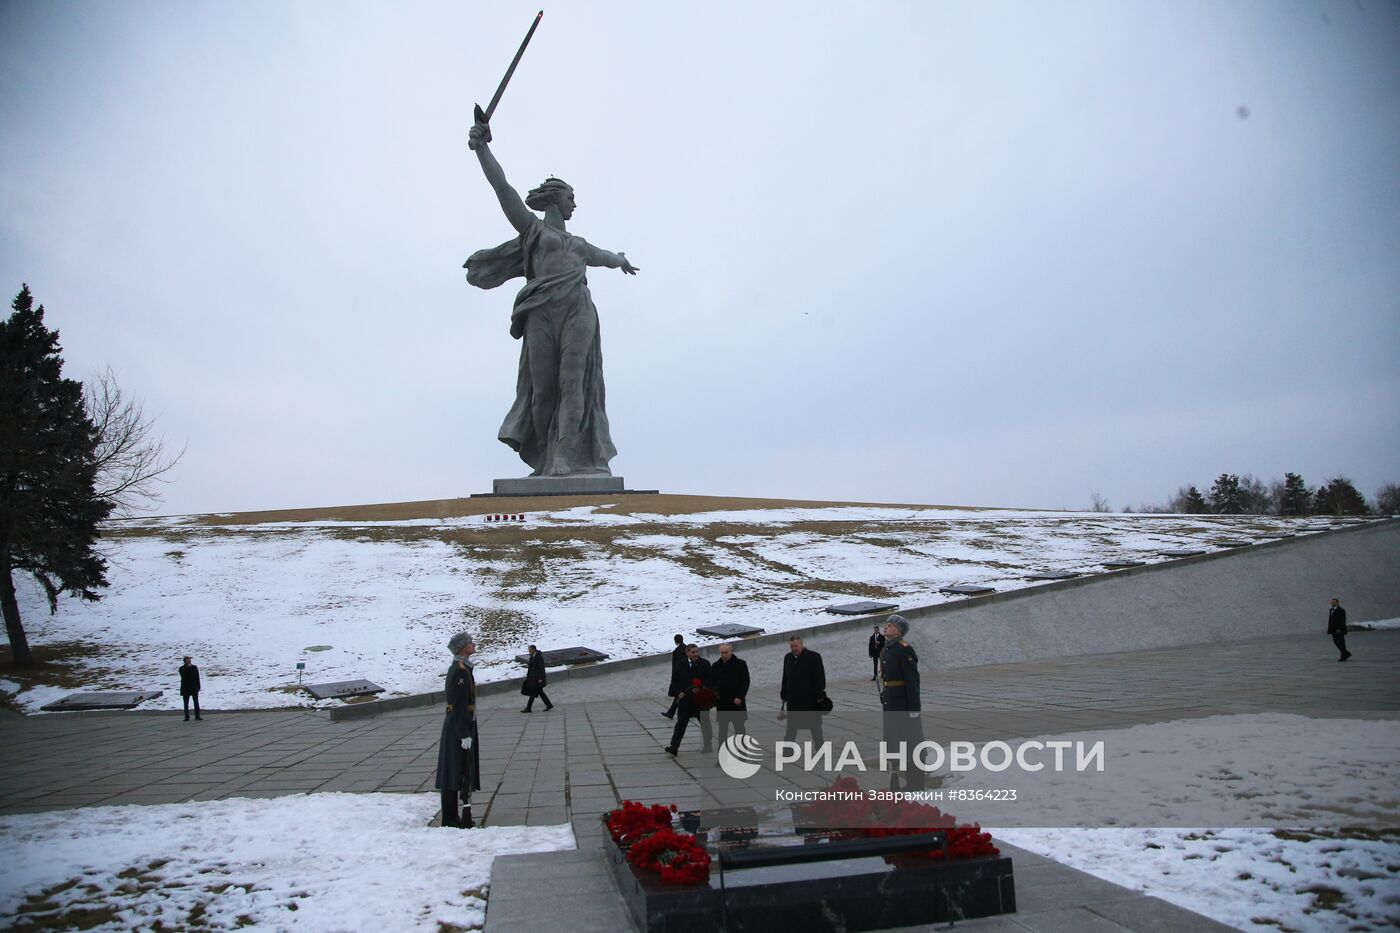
[(899, 696)]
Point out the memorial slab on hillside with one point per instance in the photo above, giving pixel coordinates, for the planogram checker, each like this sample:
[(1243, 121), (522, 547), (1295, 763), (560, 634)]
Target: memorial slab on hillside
[(343, 689), (729, 630), (102, 699), (561, 656), (861, 608), (966, 589)]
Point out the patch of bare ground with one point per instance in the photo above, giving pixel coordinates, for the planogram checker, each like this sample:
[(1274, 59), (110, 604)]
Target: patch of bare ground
[(55, 665), (654, 504)]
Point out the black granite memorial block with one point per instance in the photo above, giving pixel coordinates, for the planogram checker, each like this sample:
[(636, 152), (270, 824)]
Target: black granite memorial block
[(1181, 552), (836, 886), (966, 589), (557, 657), (343, 689), (1053, 575), (729, 630), (862, 608), (771, 872), (1121, 564), (106, 699), (1233, 542)]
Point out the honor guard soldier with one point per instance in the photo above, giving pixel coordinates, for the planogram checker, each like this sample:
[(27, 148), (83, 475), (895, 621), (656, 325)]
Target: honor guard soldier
[(899, 696)]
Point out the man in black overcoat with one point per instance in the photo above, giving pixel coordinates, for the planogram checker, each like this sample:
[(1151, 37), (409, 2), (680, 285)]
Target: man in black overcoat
[(1337, 628), (459, 753), (534, 681), (189, 687), (731, 677), (695, 699), (900, 698), (877, 647), (679, 666), (803, 690)]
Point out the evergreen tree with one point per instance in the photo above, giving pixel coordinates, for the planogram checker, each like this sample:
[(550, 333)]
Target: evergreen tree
[(1339, 497), (1225, 497), (1188, 501), (49, 511), (1293, 498)]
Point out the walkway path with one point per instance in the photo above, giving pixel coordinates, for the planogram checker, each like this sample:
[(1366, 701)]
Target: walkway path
[(585, 756)]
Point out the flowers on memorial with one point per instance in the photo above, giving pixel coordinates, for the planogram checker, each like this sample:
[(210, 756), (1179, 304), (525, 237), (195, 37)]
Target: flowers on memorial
[(678, 858), (633, 821), (646, 835), (858, 815)]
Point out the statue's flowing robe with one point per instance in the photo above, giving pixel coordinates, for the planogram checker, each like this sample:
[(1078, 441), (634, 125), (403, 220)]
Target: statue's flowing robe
[(558, 423)]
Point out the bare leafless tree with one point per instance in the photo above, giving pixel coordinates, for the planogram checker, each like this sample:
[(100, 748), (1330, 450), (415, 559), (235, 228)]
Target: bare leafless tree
[(1098, 503), (131, 457)]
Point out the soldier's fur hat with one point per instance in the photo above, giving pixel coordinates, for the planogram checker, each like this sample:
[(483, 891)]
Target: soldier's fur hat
[(900, 623)]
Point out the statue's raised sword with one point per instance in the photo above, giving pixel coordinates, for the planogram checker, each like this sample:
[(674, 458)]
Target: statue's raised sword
[(491, 107)]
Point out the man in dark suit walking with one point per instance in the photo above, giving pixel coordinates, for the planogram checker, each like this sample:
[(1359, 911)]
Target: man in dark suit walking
[(877, 646), (1337, 628), (679, 666), (731, 677), (696, 700), (189, 687), (803, 690), (535, 680)]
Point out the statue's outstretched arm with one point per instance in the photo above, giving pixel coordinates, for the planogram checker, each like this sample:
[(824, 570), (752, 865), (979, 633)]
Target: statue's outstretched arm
[(610, 260), (515, 210)]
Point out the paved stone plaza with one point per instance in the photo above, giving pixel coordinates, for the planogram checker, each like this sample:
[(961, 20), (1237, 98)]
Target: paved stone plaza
[(584, 757)]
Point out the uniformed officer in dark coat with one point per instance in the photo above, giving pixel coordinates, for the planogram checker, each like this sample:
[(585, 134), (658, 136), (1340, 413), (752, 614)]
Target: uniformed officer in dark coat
[(189, 687), (679, 666), (534, 681), (731, 676), (696, 700), (899, 695), (803, 690), (459, 753)]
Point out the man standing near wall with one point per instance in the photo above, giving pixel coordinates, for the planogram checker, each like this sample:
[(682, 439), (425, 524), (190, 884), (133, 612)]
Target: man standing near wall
[(1337, 628)]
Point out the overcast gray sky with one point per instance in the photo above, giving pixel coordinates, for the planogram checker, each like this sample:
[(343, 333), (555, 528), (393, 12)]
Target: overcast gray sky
[(968, 253)]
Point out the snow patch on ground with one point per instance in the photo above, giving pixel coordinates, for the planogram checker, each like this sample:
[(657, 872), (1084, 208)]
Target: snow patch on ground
[(307, 862)]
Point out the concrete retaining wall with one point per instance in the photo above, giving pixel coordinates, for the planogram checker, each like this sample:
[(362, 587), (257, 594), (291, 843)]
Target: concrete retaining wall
[(1273, 588)]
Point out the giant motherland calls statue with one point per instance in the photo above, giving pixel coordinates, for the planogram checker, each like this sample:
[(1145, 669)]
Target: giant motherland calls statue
[(559, 422)]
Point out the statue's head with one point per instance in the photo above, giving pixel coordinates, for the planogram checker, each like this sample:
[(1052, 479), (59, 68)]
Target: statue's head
[(553, 191)]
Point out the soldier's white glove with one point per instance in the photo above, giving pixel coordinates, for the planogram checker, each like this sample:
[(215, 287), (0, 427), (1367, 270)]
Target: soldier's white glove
[(467, 743)]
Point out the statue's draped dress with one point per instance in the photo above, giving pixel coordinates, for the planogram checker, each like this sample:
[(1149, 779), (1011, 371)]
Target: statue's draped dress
[(558, 424)]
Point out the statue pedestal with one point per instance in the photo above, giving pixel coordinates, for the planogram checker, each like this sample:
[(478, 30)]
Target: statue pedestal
[(584, 484)]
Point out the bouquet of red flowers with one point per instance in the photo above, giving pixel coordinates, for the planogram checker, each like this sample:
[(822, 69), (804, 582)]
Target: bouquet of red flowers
[(651, 844), (862, 816), (705, 698), (678, 858), (633, 821)]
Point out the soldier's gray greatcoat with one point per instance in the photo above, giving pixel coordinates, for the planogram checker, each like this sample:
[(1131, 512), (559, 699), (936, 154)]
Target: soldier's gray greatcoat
[(457, 768)]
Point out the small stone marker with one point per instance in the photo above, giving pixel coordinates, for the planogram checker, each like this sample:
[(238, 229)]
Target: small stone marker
[(1121, 564), (1181, 552), (317, 648), (343, 689), (559, 656), (107, 699), (862, 608), (966, 589), (1234, 542), (729, 630), (1053, 575)]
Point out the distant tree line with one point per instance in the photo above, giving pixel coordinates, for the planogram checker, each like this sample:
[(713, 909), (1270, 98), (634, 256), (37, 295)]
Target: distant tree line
[(1235, 494)]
